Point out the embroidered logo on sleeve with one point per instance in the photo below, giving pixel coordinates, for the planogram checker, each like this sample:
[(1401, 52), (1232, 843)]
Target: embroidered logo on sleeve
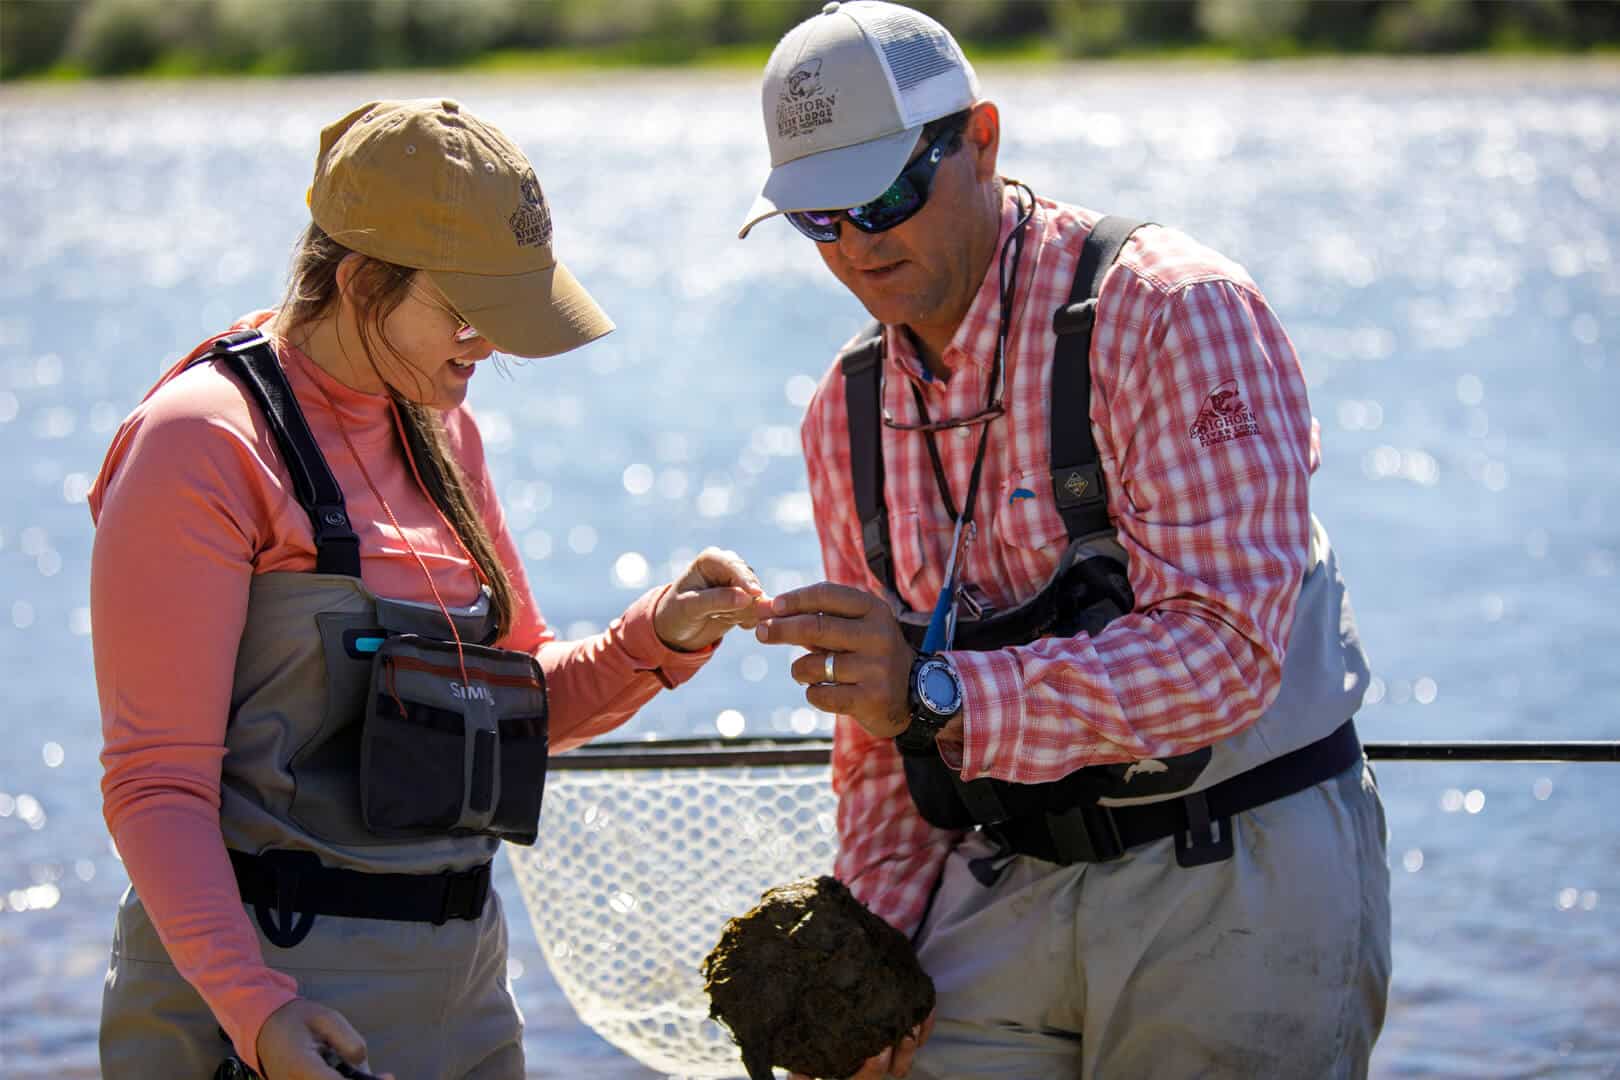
[(531, 221), (1223, 417)]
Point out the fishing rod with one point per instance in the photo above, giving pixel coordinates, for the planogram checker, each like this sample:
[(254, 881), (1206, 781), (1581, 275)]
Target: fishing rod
[(706, 753)]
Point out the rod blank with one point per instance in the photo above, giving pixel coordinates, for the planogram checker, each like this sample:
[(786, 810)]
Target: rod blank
[(765, 752)]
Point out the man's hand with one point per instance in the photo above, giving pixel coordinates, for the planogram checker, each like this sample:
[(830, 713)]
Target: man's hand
[(717, 591), (871, 659), (896, 1060)]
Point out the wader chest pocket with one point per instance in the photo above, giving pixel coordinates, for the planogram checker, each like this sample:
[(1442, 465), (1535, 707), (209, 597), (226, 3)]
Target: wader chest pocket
[(453, 745)]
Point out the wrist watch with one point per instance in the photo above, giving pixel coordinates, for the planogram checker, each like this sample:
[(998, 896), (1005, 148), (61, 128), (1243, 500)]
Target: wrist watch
[(933, 698)]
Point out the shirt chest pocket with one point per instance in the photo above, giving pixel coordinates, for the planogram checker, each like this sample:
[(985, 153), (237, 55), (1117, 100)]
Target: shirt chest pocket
[(921, 538), (1026, 519)]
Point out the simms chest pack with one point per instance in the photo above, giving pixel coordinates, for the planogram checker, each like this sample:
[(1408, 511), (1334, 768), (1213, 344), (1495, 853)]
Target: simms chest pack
[(454, 736)]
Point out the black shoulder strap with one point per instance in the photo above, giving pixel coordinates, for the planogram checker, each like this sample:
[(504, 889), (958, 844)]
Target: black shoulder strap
[(1077, 479), (249, 356), (862, 363)]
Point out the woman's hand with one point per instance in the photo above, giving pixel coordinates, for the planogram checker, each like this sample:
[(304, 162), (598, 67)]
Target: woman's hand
[(896, 1060), (718, 591), (291, 1040)]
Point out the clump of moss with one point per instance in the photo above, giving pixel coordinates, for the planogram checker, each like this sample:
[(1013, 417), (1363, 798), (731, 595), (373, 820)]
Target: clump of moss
[(813, 982)]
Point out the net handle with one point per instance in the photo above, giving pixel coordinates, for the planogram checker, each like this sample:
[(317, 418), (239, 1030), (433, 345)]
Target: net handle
[(700, 753)]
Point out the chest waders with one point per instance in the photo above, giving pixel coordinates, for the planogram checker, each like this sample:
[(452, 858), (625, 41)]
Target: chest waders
[(1098, 812), (371, 769)]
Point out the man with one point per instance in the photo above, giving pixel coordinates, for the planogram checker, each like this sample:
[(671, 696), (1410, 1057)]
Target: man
[(1120, 805)]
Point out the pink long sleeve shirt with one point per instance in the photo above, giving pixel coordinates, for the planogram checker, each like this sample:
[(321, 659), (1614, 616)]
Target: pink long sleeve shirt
[(192, 500)]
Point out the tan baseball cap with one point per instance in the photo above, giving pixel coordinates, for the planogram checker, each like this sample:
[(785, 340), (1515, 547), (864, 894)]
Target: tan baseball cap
[(846, 94), (426, 184)]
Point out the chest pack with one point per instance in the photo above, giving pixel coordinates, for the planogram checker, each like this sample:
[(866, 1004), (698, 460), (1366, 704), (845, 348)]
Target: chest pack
[(454, 736)]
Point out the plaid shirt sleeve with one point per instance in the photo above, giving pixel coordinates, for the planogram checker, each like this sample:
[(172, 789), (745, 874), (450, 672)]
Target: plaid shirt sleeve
[(887, 854), (1201, 418)]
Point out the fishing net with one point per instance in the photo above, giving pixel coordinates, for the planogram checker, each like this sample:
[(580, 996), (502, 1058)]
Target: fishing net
[(634, 875)]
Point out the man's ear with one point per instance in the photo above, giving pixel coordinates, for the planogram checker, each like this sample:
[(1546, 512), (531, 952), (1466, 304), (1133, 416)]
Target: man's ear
[(983, 136)]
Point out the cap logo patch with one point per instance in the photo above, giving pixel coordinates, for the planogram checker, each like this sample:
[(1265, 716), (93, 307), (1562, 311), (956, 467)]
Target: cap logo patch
[(531, 221), (804, 105), (1223, 417)]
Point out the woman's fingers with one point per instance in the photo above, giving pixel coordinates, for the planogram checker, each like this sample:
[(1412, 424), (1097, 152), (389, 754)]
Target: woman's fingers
[(336, 1032), (719, 566)]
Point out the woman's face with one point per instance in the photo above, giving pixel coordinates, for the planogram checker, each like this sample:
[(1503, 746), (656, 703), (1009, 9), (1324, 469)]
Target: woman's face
[(434, 352)]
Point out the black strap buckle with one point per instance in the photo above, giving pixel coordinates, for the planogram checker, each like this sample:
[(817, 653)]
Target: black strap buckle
[(1085, 834), (464, 895)]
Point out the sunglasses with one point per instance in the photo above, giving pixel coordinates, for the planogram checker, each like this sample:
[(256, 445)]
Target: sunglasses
[(907, 195)]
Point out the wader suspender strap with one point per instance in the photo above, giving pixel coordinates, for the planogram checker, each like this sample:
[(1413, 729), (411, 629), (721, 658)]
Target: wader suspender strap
[(1077, 481), (249, 356), (863, 368), (1077, 478)]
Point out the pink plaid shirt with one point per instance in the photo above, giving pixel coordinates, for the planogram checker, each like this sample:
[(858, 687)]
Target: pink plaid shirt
[(1207, 444)]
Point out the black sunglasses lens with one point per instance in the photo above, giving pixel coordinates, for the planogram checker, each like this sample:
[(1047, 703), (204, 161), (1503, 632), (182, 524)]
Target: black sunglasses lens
[(817, 225), (889, 209)]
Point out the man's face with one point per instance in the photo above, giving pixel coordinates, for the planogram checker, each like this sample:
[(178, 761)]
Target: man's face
[(925, 271)]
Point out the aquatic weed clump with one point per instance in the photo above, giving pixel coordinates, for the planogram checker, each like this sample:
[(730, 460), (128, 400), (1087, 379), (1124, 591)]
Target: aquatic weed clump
[(813, 982)]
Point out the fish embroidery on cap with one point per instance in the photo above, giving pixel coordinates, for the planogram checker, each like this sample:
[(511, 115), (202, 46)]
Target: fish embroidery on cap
[(1223, 417), (531, 221), (804, 104)]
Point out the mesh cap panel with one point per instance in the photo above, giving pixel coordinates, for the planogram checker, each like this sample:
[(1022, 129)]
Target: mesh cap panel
[(915, 51)]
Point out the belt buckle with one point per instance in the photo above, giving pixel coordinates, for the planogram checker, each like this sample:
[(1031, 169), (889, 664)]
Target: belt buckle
[(1085, 834), (456, 888)]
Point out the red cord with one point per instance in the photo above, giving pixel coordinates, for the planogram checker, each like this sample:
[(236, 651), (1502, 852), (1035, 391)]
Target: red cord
[(461, 658)]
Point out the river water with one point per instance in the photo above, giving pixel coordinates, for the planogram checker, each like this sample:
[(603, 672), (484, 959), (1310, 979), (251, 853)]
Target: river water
[(1442, 240)]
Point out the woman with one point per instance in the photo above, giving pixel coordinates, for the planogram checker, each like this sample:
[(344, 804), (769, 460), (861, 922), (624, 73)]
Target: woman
[(325, 685)]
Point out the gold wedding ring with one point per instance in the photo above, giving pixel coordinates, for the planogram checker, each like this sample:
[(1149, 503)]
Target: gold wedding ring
[(827, 669)]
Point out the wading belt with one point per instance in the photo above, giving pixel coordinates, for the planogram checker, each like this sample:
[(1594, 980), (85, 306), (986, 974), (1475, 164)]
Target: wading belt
[(299, 888), (1201, 822)]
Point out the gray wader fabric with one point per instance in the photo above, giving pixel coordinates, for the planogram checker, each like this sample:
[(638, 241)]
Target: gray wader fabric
[(1273, 963), (432, 1002)]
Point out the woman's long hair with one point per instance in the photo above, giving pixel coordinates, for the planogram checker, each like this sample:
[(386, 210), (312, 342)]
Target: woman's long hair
[(312, 289)]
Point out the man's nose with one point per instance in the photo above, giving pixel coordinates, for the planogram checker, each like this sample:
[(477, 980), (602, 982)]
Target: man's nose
[(853, 244)]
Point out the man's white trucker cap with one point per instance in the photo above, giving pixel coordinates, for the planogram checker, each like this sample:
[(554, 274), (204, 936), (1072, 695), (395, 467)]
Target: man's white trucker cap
[(846, 93)]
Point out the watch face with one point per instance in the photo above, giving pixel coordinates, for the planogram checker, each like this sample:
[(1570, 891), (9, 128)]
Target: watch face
[(936, 685)]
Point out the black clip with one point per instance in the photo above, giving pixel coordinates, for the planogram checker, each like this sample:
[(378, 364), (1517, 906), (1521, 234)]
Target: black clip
[(292, 926), (1205, 840), (1086, 833)]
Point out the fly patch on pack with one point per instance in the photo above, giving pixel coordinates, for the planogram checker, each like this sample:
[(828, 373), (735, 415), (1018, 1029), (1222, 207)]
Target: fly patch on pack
[(454, 746)]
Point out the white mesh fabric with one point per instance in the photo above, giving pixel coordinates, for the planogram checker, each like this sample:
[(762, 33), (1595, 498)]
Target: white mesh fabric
[(633, 877), (915, 51), (930, 75)]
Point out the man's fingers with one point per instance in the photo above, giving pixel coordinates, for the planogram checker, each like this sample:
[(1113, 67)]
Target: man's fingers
[(815, 631), (834, 698), (827, 597)]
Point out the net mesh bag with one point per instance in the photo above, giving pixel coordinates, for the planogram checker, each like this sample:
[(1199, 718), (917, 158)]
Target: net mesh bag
[(636, 872)]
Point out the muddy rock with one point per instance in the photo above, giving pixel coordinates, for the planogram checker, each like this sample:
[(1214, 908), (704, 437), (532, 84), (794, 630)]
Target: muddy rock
[(813, 982)]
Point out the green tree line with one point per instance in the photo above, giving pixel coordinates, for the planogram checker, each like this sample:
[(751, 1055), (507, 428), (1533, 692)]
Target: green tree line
[(121, 37)]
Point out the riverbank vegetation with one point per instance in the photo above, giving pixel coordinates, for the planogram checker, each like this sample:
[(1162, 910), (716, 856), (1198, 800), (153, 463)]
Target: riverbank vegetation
[(94, 38)]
